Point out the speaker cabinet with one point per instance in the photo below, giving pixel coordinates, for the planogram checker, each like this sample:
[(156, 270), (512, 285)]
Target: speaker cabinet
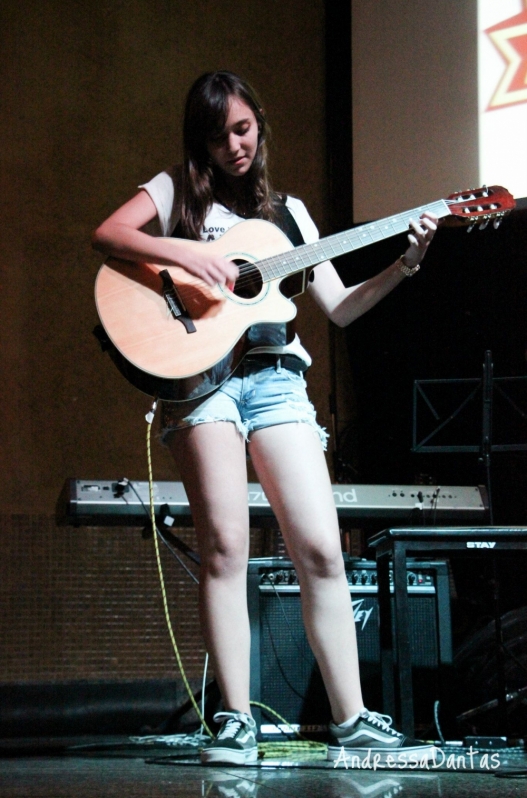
[(284, 673)]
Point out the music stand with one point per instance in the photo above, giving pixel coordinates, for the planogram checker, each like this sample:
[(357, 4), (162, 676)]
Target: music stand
[(489, 387), (464, 426)]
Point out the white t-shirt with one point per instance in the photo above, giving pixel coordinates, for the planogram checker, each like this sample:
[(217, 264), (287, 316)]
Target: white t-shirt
[(164, 191)]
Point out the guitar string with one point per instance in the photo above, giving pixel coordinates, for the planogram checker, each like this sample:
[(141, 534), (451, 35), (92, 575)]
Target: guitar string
[(333, 246), (248, 271)]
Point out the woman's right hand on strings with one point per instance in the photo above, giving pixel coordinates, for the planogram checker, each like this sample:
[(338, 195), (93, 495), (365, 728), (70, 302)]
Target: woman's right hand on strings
[(121, 235), (210, 268)]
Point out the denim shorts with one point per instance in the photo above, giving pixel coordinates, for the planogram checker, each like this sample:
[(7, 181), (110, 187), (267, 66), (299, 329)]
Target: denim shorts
[(257, 395)]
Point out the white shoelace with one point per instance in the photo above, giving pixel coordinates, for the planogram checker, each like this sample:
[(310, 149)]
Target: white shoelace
[(383, 721), (234, 723), (231, 728)]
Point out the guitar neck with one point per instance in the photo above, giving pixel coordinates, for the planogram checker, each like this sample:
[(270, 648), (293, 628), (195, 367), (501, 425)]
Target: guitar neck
[(308, 255)]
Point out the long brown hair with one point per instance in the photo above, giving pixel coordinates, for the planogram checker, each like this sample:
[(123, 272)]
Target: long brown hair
[(206, 112)]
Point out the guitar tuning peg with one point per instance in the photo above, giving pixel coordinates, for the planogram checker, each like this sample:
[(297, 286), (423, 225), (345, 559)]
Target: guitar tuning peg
[(483, 225), (471, 227), (497, 223), (485, 191)]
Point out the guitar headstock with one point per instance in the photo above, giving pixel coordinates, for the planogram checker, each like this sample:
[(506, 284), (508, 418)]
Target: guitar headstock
[(479, 205)]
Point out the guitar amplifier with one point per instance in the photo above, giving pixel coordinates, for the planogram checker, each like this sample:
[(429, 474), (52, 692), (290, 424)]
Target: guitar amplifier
[(284, 673)]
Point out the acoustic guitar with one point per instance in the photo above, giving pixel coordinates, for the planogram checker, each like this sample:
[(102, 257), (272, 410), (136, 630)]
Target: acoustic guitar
[(175, 337)]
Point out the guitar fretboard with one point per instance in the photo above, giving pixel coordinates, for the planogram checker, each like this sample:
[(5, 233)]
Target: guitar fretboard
[(307, 255)]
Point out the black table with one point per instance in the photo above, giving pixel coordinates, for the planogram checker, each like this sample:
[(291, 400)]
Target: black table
[(395, 544)]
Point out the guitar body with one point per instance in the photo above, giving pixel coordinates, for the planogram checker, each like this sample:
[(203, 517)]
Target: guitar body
[(154, 350)]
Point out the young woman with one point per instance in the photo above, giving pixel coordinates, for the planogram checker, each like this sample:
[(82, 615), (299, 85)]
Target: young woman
[(262, 408)]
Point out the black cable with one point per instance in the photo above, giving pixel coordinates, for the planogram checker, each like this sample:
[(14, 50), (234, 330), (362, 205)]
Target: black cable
[(177, 557), (122, 484), (278, 661), (293, 638), (511, 774)]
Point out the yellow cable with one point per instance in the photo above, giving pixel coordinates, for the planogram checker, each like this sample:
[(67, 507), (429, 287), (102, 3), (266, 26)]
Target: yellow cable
[(150, 418), (277, 715), (298, 745), (299, 750), (274, 749)]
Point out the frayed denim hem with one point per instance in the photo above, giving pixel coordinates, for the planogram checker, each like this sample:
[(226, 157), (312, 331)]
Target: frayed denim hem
[(205, 419), (321, 431), (242, 429)]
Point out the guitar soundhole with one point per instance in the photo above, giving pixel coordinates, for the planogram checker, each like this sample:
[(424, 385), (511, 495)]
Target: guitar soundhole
[(249, 283)]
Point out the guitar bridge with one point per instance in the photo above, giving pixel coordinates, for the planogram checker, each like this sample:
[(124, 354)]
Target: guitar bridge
[(175, 304)]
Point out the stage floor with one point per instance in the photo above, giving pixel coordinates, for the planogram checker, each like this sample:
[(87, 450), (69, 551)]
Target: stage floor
[(105, 768)]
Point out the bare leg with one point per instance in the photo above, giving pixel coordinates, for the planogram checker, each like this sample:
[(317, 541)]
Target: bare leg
[(212, 461), (292, 469)]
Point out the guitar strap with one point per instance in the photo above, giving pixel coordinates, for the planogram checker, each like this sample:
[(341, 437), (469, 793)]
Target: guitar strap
[(287, 223), (290, 286)]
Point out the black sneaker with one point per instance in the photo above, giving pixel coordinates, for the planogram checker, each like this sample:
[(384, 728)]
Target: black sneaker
[(371, 742), (236, 740)]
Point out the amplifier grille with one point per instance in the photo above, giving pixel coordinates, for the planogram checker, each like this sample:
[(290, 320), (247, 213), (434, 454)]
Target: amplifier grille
[(285, 675)]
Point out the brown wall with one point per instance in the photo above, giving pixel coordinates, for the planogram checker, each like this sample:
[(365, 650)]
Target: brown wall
[(87, 603), (92, 102), (93, 95)]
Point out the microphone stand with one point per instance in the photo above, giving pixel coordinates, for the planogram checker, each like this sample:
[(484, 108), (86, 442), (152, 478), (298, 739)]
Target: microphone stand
[(486, 426), (485, 460)]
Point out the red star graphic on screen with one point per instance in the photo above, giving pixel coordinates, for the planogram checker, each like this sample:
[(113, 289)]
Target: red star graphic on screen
[(510, 39)]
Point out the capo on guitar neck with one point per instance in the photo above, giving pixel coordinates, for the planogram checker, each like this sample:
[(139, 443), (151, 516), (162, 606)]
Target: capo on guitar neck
[(174, 302)]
